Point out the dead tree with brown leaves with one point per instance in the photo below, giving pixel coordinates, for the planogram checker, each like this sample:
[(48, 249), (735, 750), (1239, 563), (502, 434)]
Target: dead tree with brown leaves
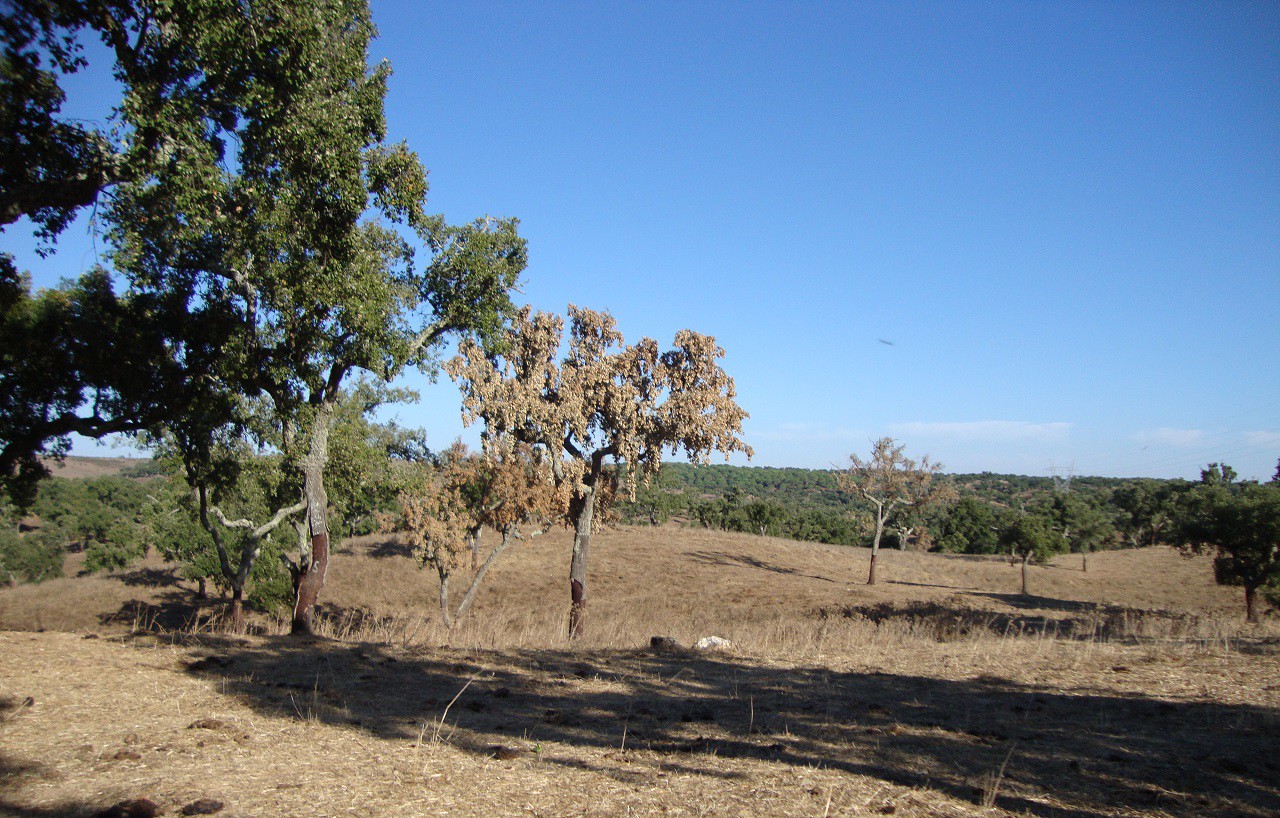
[(890, 481), (444, 516), (604, 401)]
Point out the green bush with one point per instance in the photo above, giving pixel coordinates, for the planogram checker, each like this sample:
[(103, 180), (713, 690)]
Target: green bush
[(32, 557)]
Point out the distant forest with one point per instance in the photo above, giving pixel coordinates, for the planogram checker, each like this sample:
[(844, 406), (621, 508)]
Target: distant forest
[(115, 520), (806, 504)]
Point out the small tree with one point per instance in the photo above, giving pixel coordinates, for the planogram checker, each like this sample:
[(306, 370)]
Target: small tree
[(889, 481), (1030, 536), (604, 400), (1241, 523), (466, 492), (764, 514), (1082, 526)]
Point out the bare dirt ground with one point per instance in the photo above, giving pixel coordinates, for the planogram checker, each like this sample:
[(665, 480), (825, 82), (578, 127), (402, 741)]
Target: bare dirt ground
[(1134, 689)]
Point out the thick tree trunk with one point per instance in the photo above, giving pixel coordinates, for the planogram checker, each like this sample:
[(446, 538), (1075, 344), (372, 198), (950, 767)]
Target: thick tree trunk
[(1084, 560), (235, 616), (578, 563), (1026, 558), (312, 579), (1251, 603)]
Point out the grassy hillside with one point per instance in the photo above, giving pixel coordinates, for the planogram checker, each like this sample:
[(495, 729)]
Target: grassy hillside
[(1133, 689), (74, 467)]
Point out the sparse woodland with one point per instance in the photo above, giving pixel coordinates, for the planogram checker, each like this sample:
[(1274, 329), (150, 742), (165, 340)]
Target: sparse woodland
[(1041, 646)]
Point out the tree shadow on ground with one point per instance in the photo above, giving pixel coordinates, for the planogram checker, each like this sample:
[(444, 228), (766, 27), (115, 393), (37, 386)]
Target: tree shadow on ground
[(1032, 616), (175, 611), (1045, 603), (15, 772), (390, 547), (1069, 754), (729, 559), (929, 585), (150, 577)]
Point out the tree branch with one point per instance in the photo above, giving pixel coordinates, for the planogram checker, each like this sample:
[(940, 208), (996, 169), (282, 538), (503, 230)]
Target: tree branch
[(266, 528)]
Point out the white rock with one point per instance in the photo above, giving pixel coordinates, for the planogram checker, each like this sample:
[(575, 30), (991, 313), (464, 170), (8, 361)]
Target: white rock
[(712, 643)]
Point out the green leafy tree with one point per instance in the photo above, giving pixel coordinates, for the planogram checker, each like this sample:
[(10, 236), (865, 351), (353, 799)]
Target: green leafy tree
[(1240, 523), (370, 462), (248, 497), (1145, 510), (243, 270), (306, 291), (1030, 537), (29, 556), (655, 501), (1082, 525), (764, 515), (605, 400), (186, 79), (970, 527), (101, 516)]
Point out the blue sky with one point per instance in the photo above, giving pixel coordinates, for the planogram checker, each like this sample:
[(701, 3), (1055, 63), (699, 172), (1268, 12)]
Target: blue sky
[(1065, 217)]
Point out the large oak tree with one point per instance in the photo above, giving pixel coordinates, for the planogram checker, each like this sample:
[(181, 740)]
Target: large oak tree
[(261, 232)]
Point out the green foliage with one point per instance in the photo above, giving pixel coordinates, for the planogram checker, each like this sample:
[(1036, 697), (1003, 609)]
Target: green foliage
[(970, 527), (1145, 509), (1083, 526), (1141, 509), (369, 462), (28, 557), (103, 515), (118, 547), (1030, 535), (1240, 522)]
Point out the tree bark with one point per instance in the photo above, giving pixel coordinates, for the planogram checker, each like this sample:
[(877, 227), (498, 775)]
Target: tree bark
[(474, 537), (465, 605), (312, 580), (578, 564), (1026, 558), (236, 613), (1251, 603), (444, 601), (875, 549)]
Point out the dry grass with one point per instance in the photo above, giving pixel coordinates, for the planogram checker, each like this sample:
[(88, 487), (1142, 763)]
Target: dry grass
[(76, 466), (1134, 689)]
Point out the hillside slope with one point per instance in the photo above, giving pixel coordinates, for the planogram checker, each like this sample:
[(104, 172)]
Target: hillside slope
[(1134, 689), (679, 582)]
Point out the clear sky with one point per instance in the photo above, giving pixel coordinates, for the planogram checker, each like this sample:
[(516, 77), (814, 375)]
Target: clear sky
[(1015, 236)]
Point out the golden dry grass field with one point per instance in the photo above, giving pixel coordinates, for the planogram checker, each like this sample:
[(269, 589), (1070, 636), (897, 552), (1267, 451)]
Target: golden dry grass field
[(1133, 689)]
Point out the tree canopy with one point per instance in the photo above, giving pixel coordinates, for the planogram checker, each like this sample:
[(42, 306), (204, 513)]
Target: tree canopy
[(1240, 523), (890, 481), (262, 238), (603, 401)]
